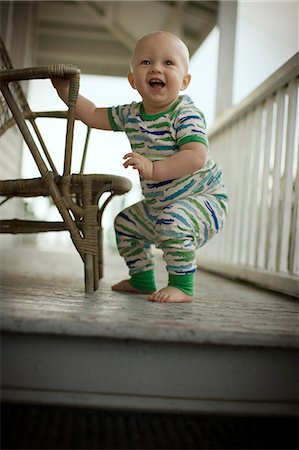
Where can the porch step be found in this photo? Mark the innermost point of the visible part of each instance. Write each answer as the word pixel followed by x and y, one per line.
pixel 233 350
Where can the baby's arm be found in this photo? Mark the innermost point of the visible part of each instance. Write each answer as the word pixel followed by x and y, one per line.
pixel 86 111
pixel 191 157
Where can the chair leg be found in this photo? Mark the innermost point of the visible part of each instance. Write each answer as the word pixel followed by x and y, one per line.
pixel 89 273
pixel 100 254
pixel 96 272
pixel 90 231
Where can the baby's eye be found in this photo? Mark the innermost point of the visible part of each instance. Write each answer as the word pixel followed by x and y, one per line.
pixel 145 62
pixel 168 62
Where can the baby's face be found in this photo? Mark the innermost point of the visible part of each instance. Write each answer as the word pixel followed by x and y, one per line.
pixel 159 70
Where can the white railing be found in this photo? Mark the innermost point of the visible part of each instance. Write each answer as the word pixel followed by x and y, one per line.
pixel 256 143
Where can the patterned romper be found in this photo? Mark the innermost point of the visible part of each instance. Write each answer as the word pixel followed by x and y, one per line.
pixel 177 215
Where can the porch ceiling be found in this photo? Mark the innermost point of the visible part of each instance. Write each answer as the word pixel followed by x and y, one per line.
pixel 98 36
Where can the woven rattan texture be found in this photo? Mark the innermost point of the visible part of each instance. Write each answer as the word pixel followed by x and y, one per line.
pixel 6 118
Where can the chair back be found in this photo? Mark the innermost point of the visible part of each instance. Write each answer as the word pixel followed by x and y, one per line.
pixel 6 118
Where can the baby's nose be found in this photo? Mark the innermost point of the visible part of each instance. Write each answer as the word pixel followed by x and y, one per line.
pixel 156 67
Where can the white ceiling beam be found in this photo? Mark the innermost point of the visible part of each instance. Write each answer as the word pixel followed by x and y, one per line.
pixel 201 12
pixel 90 35
pixel 174 19
pixel 66 55
pixel 107 20
pixel 115 28
pixel 94 15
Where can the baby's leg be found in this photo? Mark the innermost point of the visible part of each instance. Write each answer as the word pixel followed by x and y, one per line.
pixel 139 283
pixel 134 229
pixel 175 234
pixel 181 228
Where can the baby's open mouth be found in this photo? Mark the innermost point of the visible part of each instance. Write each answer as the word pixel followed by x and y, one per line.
pixel 156 83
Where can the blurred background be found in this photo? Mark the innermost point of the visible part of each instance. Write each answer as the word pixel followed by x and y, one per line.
pixel 266 35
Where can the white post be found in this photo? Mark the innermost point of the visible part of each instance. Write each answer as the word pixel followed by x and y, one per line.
pixel 227 17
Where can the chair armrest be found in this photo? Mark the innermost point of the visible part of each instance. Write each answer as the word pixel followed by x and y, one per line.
pixel 42 72
pixel 49 114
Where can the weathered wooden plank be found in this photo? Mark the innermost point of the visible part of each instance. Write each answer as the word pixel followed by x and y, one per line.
pixel 275 281
pixel 37 299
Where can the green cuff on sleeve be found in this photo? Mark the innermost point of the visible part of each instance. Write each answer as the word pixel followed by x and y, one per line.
pixel 186 139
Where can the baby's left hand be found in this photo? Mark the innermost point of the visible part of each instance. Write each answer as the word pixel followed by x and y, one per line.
pixel 144 166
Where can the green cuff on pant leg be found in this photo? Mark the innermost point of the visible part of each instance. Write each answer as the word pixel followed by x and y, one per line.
pixel 184 282
pixel 143 281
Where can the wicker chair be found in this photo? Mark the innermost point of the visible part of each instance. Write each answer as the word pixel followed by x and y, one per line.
pixel 76 196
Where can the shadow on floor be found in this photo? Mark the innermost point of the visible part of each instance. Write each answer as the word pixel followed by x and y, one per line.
pixel 54 427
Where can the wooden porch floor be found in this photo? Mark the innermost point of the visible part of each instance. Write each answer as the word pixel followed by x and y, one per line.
pixel 239 342
pixel 43 291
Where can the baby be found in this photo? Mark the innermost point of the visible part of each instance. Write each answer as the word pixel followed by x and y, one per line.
pixel 185 202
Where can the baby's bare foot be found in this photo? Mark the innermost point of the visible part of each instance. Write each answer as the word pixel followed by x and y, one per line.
pixel 125 286
pixel 170 294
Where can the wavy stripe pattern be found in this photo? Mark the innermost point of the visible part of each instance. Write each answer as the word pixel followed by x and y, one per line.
pixel 178 229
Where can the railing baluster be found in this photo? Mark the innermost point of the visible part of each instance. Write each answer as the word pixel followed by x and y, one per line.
pixel 256 199
pixel 233 192
pixel 287 181
pixel 276 177
pixel 247 148
pixel 264 188
pixel 224 144
pixel 253 206
pixel 294 243
pixel 239 169
pixel 294 240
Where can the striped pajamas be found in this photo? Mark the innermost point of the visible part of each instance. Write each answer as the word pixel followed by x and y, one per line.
pixel 178 215
pixel 179 229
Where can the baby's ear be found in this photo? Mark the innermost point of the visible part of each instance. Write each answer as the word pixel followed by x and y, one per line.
pixel 131 80
pixel 186 81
